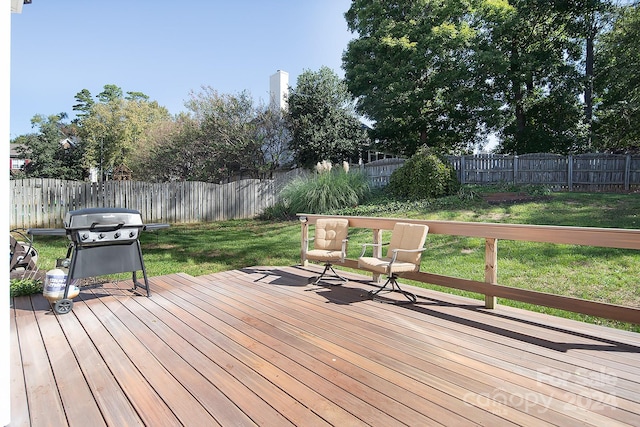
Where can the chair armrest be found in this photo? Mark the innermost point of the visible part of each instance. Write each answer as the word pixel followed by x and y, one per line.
pixel 307 241
pixel 365 245
pixel 395 253
pixel 344 249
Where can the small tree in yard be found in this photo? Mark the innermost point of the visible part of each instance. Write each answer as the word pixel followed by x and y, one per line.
pixel 425 175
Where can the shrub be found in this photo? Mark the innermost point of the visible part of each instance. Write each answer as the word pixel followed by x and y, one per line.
pixel 326 190
pixel 279 211
pixel 21 287
pixel 425 175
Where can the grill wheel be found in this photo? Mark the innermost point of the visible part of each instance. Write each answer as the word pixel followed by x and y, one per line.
pixel 63 306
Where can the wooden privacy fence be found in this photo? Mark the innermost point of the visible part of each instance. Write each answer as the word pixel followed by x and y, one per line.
pixel 41 202
pixel 588 236
pixel 596 172
pixel 584 172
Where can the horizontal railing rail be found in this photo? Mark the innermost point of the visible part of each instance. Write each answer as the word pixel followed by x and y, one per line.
pixel 490 288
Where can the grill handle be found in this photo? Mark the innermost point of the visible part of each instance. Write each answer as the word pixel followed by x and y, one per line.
pixel 106 227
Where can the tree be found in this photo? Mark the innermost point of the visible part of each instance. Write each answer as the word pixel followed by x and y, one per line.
pixel 591 17
pixel 222 137
pixel 536 76
pixel 274 139
pixel 115 129
pixel 415 74
pixel 48 156
pixel 446 74
pixel 175 152
pixel 617 84
pixel 226 135
pixel 84 103
pixel 109 93
pixel 322 119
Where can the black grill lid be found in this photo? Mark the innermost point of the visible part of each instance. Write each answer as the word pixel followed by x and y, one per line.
pixel 90 217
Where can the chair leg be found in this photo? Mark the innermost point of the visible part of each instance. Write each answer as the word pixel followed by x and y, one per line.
pixel 335 275
pixel 391 285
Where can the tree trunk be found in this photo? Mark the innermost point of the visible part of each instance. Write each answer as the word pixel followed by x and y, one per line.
pixel 588 85
pixel 518 95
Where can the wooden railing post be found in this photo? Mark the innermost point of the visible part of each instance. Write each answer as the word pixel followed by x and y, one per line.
pixel 490 269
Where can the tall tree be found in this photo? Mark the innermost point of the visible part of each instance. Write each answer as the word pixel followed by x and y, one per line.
pixel 322 119
pixel 591 18
pixel 534 75
pixel 109 93
pixel 617 84
pixel 84 103
pixel 221 137
pixel 175 152
pixel 446 74
pixel 414 73
pixel 115 129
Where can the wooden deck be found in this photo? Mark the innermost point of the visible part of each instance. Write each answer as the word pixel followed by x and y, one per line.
pixel 260 346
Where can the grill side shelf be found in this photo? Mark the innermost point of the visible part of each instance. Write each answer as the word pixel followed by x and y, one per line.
pixel 47 231
pixel 155 226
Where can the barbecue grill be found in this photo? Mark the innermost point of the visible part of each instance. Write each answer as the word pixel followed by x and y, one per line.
pixel 103 241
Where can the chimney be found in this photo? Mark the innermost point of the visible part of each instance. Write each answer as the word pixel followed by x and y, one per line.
pixel 279 89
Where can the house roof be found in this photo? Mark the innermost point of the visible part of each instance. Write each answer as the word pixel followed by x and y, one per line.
pixel 13 150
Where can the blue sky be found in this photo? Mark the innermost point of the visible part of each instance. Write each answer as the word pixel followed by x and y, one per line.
pixel 165 49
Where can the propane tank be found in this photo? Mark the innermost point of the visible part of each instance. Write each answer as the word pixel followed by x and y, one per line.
pixel 54 284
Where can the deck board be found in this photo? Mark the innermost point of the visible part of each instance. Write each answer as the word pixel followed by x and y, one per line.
pixel 77 399
pixel 107 392
pixel 42 393
pixel 18 392
pixel 260 346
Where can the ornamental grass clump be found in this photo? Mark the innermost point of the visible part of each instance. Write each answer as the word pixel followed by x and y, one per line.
pixel 327 189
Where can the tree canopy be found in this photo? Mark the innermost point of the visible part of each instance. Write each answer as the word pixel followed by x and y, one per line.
pixel 322 119
pixel 53 152
pixel 617 83
pixel 411 71
pixel 447 74
pixel 115 129
pixel 222 137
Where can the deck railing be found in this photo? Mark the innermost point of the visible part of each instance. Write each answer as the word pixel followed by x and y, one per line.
pixel 588 236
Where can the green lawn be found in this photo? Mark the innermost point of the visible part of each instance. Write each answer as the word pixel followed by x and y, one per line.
pixel 601 274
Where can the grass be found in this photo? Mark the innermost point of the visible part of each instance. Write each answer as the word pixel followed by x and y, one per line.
pixel 601 274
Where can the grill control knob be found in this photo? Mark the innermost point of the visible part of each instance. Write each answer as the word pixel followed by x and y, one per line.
pixel 84 236
pixel 132 234
pixel 116 235
pixel 101 236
